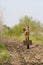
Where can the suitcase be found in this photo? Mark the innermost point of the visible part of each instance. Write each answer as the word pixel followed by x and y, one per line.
pixel 27 42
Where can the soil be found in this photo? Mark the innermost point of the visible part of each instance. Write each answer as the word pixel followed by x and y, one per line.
pixel 20 55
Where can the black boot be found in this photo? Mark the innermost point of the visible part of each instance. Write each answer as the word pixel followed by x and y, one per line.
pixel 27 46
pixel 28 38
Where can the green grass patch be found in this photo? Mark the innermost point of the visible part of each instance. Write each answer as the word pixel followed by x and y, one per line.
pixel 36 40
pixel 4 54
pixel 2 46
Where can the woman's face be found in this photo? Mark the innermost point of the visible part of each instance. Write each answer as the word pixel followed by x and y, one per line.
pixel 27 28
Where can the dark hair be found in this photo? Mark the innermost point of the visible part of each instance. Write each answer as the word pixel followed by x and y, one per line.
pixel 28 26
pixel 23 29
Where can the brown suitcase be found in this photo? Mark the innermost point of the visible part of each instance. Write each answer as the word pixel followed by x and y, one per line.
pixel 30 42
pixel 27 42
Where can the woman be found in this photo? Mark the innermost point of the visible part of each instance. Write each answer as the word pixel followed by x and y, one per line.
pixel 26 32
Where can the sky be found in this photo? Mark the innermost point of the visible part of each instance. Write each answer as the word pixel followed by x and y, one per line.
pixel 16 9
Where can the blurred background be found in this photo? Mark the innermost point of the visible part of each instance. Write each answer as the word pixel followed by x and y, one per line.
pixel 15 15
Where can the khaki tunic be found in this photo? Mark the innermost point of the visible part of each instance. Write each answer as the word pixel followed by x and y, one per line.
pixel 26 33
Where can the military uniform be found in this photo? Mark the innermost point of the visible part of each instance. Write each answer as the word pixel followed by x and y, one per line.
pixel 26 33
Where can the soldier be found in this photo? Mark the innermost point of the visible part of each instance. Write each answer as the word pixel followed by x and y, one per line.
pixel 26 32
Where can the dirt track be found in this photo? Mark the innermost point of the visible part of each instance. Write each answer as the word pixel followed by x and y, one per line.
pixel 20 55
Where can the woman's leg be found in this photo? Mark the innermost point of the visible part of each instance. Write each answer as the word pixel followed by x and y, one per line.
pixel 28 38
